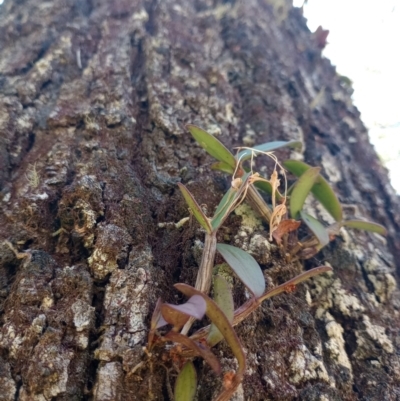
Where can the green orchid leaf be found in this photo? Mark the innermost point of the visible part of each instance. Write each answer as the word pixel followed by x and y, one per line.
pixel 195 208
pixel 245 266
pixel 301 190
pixel 186 383
pixel 231 199
pixel 212 145
pixel 266 147
pixel 317 228
pixel 197 349
pixel 365 225
pixel 215 314
pixel 223 298
pixel 322 191
pixel 224 167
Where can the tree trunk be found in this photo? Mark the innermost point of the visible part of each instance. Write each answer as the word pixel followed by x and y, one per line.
pixel 94 98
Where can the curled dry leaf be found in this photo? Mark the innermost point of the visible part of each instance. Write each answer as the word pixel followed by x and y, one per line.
pixel 276 218
pixel 284 227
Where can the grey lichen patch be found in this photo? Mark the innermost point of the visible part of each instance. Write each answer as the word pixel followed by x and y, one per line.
pixel 197 250
pixel 305 367
pixel 377 272
pixel 250 237
pixel 83 318
pixel 108 382
pixel 335 296
pixel 83 315
pixel 249 137
pixel 126 306
pixel 261 248
pixel 126 303
pixel 374 334
pixel 335 345
pixel 384 285
pixel 87 221
pixel 43 69
pixel 110 248
pixel 315 209
pixel 224 271
pixel 275 377
pixel 49 378
pixel 331 169
pixel 58 163
pixel 250 221
pixel 7 384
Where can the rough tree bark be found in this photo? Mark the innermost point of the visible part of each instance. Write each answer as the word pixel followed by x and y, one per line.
pixel 94 96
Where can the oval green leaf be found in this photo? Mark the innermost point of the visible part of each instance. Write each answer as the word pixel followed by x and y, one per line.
pixel 223 298
pixel 186 383
pixel 212 145
pixel 301 190
pixel 267 147
pixel 366 226
pixel 321 189
pixel 317 228
pixel 245 266
pixel 195 208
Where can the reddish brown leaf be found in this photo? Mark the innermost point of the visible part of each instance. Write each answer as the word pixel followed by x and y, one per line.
pixel 198 348
pixel 284 227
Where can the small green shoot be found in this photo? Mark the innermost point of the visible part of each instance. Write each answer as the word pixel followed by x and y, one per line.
pixel 195 208
pixel 186 383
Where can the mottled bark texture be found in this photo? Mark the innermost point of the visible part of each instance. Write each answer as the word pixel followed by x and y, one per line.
pixel 94 96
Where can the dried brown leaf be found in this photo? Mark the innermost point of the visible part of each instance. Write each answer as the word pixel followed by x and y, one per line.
pixel 284 227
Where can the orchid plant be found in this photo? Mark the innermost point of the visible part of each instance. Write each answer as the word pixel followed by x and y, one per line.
pixel 245 186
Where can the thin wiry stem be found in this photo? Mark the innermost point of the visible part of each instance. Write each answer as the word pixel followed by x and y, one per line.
pixel 252 304
pixel 204 275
